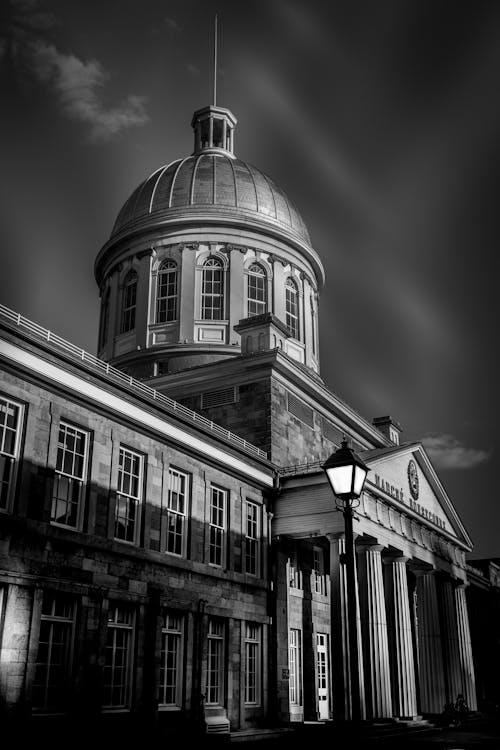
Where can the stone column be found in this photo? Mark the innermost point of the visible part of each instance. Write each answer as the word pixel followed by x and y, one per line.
pixel 340 680
pixel 430 656
pixel 451 648
pixel 465 649
pixel 404 692
pixel 374 628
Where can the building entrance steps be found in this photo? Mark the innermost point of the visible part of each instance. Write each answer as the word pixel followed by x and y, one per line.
pixel 251 735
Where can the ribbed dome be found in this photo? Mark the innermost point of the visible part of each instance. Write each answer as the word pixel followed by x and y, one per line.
pixel 210 186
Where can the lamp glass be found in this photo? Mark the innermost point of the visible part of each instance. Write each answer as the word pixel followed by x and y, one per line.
pixel 341 479
pixel 359 478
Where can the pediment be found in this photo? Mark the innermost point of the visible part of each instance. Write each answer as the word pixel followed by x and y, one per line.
pixel 405 477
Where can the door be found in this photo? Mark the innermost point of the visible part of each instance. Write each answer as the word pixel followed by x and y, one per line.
pixel 322 675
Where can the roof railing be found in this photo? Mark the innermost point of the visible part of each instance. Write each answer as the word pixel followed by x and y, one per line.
pixel 113 374
pixel 307 468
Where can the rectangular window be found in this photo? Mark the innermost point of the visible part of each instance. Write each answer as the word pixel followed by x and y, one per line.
pixel 252 663
pixel 217 526
pixel 118 656
pixel 129 495
pixel 171 660
pixel 212 290
pixel 294 573
pixel 295 667
pixel 10 438
pixel 53 661
pixel 70 476
pixel 215 663
pixel 319 582
pixel 252 539
pixel 177 508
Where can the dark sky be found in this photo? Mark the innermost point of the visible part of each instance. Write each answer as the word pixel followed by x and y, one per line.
pixel 380 120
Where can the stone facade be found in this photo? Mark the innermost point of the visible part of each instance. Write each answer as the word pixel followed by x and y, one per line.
pixel 169 545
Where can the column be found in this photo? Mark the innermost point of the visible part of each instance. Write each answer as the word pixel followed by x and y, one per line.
pixel 374 627
pixel 340 680
pixel 142 315
pixel 451 648
pixel 430 657
pixel 465 649
pixel 404 693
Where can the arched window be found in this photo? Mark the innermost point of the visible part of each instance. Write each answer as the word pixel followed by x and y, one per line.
pixel 129 297
pixel 212 290
pixel 256 290
pixel 292 308
pixel 104 327
pixel 166 300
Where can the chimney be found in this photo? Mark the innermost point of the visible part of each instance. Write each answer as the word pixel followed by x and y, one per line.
pixel 388 427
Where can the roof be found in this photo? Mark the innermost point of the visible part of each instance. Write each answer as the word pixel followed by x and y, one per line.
pixel 210 183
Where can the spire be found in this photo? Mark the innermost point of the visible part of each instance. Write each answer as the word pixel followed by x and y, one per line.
pixel 215 61
pixel 214 126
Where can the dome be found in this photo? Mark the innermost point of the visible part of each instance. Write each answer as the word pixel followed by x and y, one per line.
pixel 212 186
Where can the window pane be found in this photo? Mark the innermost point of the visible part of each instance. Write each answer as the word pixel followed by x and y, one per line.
pixel 52 668
pixel 256 290
pixel 129 294
pixel 69 477
pixel 118 653
pixel 292 308
pixel 166 304
pixel 212 290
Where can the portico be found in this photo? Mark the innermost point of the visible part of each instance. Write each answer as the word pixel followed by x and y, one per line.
pixel 413 629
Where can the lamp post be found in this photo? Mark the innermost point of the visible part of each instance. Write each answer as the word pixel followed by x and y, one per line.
pixel 346 474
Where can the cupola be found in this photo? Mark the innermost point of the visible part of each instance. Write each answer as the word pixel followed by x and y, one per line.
pixel 214 130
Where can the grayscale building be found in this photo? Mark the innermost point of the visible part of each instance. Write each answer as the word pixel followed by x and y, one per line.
pixel 169 542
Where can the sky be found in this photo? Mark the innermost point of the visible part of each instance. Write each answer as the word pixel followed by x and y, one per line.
pixel 380 120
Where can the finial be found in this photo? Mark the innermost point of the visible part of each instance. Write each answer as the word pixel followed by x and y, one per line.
pixel 215 61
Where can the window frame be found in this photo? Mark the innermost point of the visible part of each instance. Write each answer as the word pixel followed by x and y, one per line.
pixel 138 499
pixel 12 459
pixel 128 306
pixel 207 311
pixel 53 620
pixel 295 666
pixel 292 314
pixel 216 531
pixel 217 641
pixel 252 538
pixel 82 481
pixel 173 513
pixel 167 268
pixel 253 654
pixel 115 626
pixel 318 570
pixel 178 637
pixel 294 572
pixel 251 299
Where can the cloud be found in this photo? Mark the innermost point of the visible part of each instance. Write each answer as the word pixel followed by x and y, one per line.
pixel 447 452
pixel 172 23
pixel 78 86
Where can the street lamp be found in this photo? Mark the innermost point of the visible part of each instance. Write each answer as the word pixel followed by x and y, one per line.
pixel 346 473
